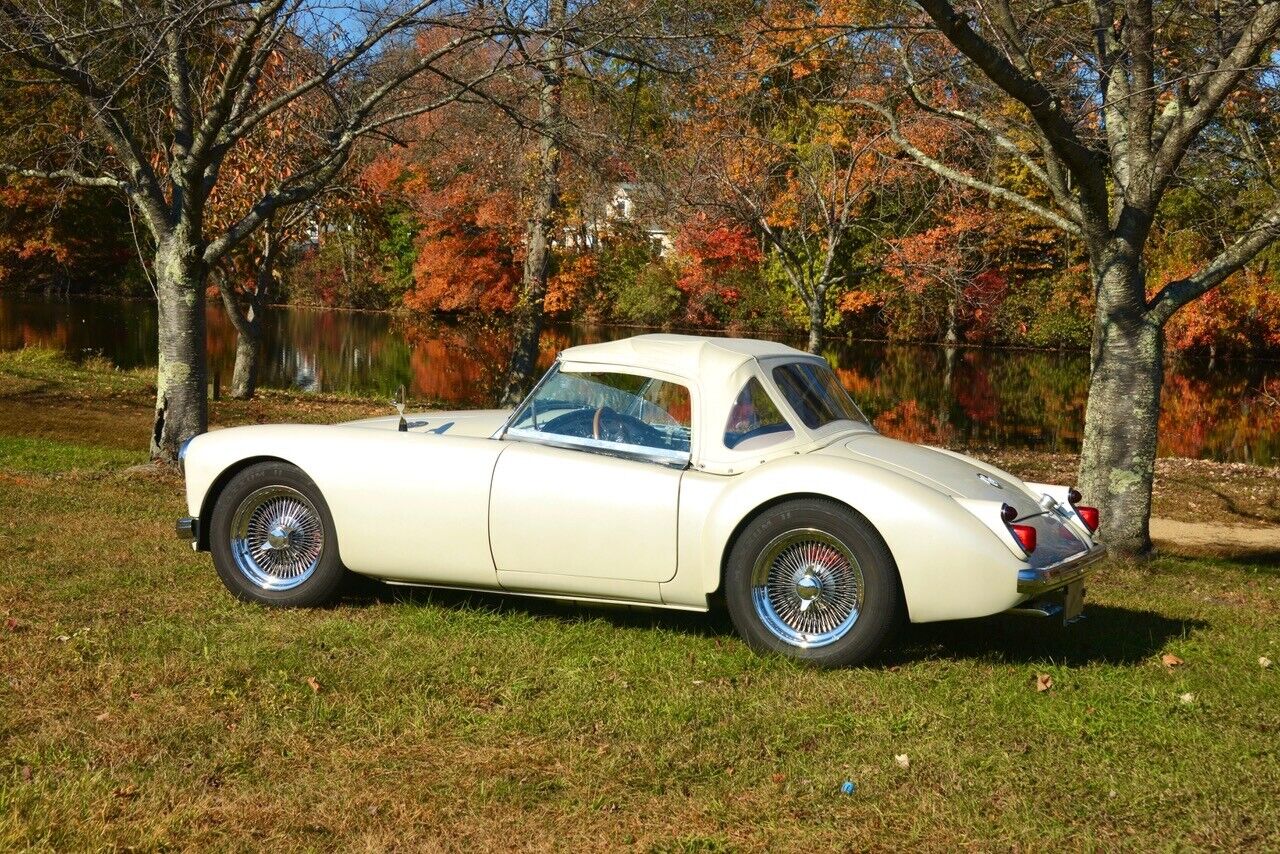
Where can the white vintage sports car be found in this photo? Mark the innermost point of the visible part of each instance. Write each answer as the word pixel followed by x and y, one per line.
pixel 661 470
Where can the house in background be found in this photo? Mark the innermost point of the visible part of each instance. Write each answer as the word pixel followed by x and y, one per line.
pixel 622 206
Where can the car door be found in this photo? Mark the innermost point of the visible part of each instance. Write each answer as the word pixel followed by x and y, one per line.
pixel 570 511
pixel 412 506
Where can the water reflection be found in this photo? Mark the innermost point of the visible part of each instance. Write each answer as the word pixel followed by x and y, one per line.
pixel 929 394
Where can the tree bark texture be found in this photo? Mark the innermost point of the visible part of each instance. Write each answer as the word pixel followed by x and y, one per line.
pixel 1117 460
pixel 817 317
pixel 182 407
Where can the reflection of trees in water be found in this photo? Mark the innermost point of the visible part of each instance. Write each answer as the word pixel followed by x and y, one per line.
pixel 1229 418
pixel 463 363
pixel 976 398
pixel 968 397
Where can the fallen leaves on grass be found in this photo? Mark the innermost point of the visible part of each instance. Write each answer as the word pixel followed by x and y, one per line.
pixel 903 760
pixel 314 684
pixel 1043 682
pixel 1170 660
pixel 1264 662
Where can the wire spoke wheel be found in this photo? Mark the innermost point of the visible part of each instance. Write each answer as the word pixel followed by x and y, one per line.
pixel 277 538
pixel 807 588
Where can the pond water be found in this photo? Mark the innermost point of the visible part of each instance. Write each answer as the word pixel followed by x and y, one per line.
pixel 964 397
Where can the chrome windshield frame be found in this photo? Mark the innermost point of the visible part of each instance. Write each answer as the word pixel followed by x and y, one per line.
pixel 660 456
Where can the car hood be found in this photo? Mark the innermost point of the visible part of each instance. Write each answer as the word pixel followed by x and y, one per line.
pixel 946 471
pixel 476 423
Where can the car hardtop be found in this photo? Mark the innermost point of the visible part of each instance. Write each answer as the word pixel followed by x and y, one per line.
pixel 716 370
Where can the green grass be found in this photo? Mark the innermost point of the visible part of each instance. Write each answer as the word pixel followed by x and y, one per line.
pixel 142 707
pixel 23 454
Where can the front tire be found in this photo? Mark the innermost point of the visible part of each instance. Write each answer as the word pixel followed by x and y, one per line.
pixel 273 539
pixel 812 580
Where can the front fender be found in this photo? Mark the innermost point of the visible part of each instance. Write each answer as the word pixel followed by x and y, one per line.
pixel 951 565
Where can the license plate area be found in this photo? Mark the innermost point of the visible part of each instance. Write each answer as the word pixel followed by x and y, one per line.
pixel 1073 602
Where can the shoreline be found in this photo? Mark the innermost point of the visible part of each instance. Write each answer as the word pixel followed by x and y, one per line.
pixel 776 334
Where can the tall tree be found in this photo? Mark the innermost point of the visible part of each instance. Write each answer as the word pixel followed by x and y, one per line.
pixel 603 48
pixel 167 89
pixel 1103 107
pixel 550 66
pixel 772 143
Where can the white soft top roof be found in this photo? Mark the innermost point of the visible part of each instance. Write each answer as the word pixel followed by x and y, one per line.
pixel 718 368
pixel 692 356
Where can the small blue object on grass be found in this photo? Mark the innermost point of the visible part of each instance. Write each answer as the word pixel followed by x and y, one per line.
pixel 848 787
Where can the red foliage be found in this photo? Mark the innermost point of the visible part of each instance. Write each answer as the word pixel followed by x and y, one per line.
pixel 1239 316
pixel 469 247
pixel 714 254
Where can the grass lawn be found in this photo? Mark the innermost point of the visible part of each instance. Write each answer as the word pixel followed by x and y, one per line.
pixel 142 707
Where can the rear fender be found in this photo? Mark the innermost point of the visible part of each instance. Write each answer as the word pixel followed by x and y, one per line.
pixel 950 564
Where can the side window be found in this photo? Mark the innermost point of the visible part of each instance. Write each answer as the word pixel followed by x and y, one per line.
pixel 754 419
pixel 608 411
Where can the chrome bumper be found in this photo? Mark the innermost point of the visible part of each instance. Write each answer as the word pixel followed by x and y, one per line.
pixel 188 529
pixel 1033 582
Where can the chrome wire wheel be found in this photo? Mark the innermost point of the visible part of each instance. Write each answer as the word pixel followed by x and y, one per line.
pixel 807 588
pixel 277 538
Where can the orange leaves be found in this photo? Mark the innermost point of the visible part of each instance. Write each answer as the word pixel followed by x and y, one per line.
pixel 574 277
pixel 855 302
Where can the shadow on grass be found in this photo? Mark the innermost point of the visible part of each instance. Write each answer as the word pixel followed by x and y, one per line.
pixel 1107 635
pixel 716 623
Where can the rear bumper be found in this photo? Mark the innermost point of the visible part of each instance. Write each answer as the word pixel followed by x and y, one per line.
pixel 1034 582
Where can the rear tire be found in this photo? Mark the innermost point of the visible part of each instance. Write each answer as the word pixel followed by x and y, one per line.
pixel 812 580
pixel 273 539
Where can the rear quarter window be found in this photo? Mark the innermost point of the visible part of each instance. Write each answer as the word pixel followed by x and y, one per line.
pixel 814 392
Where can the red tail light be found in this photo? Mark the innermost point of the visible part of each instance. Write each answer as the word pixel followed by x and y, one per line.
pixel 1026 536
pixel 1089 515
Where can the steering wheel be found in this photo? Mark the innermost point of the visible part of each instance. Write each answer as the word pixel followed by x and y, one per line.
pixel 605 424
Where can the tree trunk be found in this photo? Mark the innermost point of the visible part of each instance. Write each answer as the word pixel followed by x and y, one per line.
pixel 1117 462
pixel 533 284
pixel 952 335
pixel 817 319
pixel 248 321
pixel 182 409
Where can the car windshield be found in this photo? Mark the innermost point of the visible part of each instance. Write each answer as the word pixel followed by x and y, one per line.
pixel 815 394
pixel 607 411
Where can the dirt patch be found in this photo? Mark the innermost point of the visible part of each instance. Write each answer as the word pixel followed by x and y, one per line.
pixel 1206 539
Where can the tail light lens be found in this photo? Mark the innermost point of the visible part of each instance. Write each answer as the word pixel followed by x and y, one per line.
pixel 1026 536
pixel 1088 515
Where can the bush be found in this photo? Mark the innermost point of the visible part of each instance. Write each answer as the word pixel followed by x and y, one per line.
pixel 652 298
